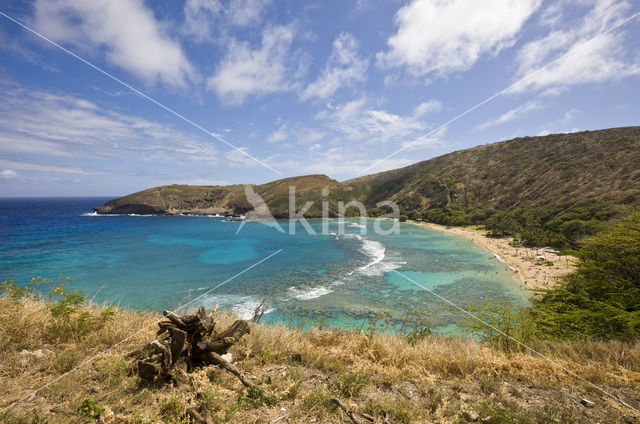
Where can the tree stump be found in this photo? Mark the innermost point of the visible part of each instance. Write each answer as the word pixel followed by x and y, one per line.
pixel 190 341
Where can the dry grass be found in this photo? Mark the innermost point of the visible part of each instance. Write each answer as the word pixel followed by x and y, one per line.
pixel 437 380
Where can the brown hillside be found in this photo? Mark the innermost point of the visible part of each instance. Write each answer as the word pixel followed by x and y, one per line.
pixel 206 200
pixel 552 189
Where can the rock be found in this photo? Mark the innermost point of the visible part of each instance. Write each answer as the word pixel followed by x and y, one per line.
pixel 38 353
pixel 587 403
pixel 106 415
pixel 227 357
pixel 238 352
pixel 469 413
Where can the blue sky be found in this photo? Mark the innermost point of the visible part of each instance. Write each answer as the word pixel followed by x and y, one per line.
pixel 327 87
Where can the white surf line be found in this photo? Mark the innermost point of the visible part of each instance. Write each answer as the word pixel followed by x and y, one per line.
pixel 499 93
pixel 514 340
pixel 168 109
pixel 135 334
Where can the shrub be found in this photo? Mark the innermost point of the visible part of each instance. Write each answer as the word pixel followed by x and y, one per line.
pixel 90 408
pixel 256 398
pixel 416 325
pixel 400 409
pixel 500 323
pixel 69 319
pixel 601 299
pixel 416 215
pixel 350 384
pixel 172 409
pixel 316 401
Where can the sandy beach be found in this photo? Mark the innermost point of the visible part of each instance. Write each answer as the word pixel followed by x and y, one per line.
pixel 527 264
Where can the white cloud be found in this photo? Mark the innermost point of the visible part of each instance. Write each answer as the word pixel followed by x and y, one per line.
pixel 359 121
pixel 511 114
pixel 566 131
pixel 603 59
pixel 200 17
pixel 307 136
pixel 551 15
pixel 559 125
pixel 202 181
pixel 8 174
pixel 348 131
pixel 297 134
pixel 246 12
pixel 42 123
pixel 203 19
pixel 246 71
pixel 37 167
pixel 431 140
pixel 38 175
pixel 240 158
pixel 440 37
pixel 569 115
pixel 362 5
pixel 343 69
pixel 339 162
pixel 126 31
pixel 281 134
pixel 16 47
pixel 427 107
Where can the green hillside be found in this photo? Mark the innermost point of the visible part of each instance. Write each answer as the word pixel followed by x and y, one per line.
pixel 548 190
pixel 553 189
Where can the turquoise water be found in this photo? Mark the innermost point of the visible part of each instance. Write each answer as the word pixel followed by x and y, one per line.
pixel 161 262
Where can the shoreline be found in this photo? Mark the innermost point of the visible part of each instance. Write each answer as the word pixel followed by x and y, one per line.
pixel 528 267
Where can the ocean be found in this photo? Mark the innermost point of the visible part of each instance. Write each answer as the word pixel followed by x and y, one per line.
pixel 162 262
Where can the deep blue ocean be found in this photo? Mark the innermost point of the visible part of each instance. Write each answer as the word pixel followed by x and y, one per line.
pixel 147 262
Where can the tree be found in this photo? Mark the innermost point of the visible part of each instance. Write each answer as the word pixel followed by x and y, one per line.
pixel 416 215
pixel 601 299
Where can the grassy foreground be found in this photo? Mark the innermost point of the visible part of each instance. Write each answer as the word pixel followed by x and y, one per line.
pixel 436 380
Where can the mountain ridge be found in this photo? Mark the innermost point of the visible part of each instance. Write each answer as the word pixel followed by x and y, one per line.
pixel 552 189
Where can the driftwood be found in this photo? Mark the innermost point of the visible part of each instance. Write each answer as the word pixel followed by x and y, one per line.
pixel 352 415
pixel 187 342
pixel 200 415
pixel 259 311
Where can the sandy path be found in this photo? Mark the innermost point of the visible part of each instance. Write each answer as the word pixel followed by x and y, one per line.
pixel 528 270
